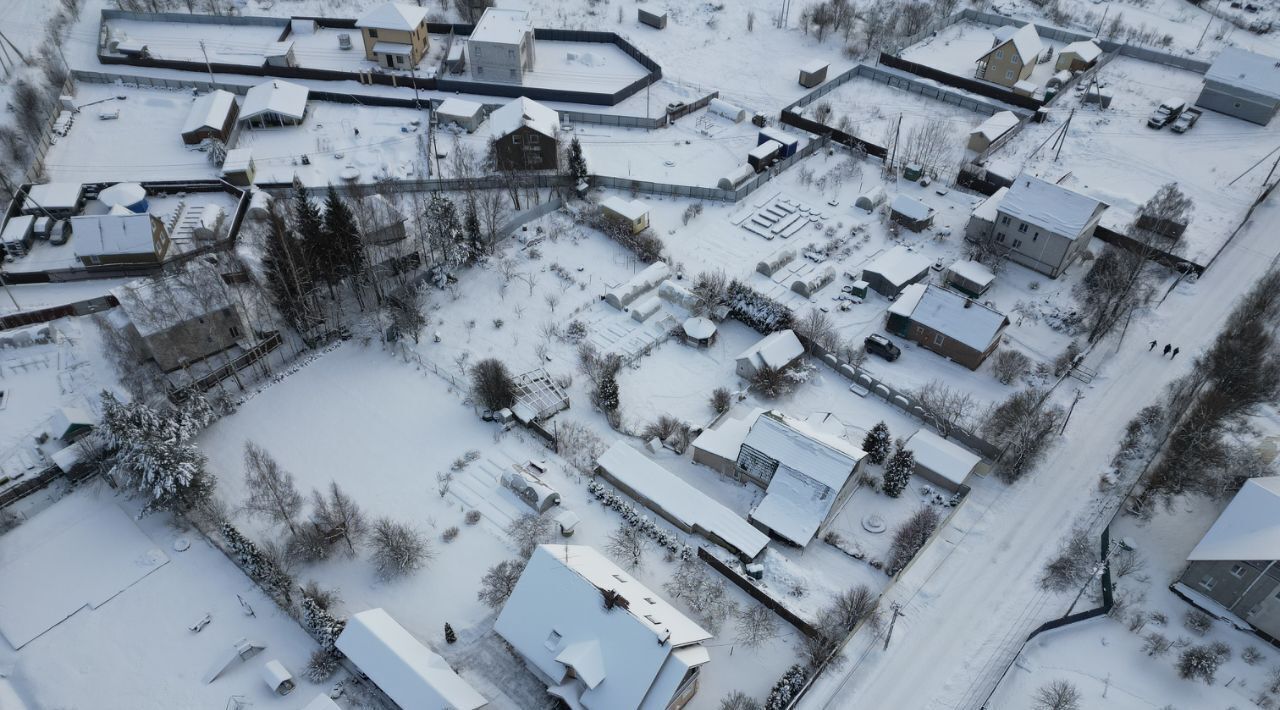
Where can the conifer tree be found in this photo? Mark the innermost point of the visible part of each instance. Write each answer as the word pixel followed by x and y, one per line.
pixel 342 237
pixel 449 636
pixel 877 443
pixel 577 162
pixel 897 473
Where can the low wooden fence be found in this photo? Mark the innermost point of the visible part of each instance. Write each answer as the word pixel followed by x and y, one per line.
pixel 758 594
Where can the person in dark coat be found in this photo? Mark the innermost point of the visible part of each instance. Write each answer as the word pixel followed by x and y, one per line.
pixel 1175 353
pixel 1167 348
pixel 1152 346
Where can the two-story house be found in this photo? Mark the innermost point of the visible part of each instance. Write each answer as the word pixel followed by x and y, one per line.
pixel 1012 57
pixel 500 48
pixel 1044 226
pixel 524 136
pixel 395 35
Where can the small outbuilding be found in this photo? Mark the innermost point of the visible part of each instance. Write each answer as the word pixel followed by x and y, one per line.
pixel 212 115
pixel 720 107
pixel 69 424
pixel 280 54
pixel 656 20
pixel 790 144
pixel 776 350
pixel 991 130
pixel 1078 56
pixel 911 213
pixel 59 199
pixel 970 277
pixel 1242 84
pixel 238 167
pixel 274 103
pixel 131 196
pixel 698 331
pixel 813 73
pixel 763 155
pixel 941 462
pixel 633 213
pixel 17 235
pixel 411 674
pixel 894 270
pixel 119 240
pixel 948 323
pixel 467 114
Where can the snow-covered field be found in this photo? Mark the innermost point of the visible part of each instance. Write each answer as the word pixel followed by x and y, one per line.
pixel 873 109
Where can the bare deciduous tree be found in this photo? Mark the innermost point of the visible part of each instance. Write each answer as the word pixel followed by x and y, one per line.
pixel 491 384
pixel 271 492
pixel 1057 695
pixel 628 544
pixel 950 407
pixel 398 549
pixel 498 583
pixel 529 531
pixel 338 517
pixel 756 625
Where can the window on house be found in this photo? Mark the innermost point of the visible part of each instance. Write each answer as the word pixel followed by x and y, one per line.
pixel 553 640
pixel 1237 571
pixel 235 331
pixel 1017 243
pixel 939 338
pixel 373 33
pixel 1004 219
pixel 516 139
pixel 1000 237
pixel 479 70
pixel 512 72
pixel 1208 582
pixel 1022 227
pixel 1008 74
pixel 511 54
pixel 999 54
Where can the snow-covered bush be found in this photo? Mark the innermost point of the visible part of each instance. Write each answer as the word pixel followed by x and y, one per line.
pixel 322 665
pixel 784 691
pixel 260 569
pixel 1010 365
pixel 323 625
pixel 704 595
pixel 757 311
pixel 398 549
pixel 910 538
pixel 721 400
pixel 529 531
pixel 1199 662
pixel 491 384
pixel 877 443
pixel 1197 622
pixel 633 517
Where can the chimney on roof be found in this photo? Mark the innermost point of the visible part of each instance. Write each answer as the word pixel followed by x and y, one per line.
pixel 968 302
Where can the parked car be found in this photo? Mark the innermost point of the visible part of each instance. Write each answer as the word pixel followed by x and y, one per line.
pixel 675 106
pixel 877 344
pixel 1183 123
pixel 1166 112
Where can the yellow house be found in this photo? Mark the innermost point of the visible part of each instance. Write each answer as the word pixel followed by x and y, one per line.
pixel 395 35
pixel 1012 57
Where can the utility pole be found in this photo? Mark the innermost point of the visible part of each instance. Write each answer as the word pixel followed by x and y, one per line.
pixel 16 51
pixel 1207 24
pixel 1063 138
pixel 897 130
pixel 1079 396
pixel 207 65
pixel 897 611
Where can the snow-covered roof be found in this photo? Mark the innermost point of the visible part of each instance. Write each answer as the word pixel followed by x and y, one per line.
pixel 726 440
pixel 1250 71
pixel 950 313
pixel 972 272
pixel 765 149
pixel 64 418
pixel 54 196
pixel 17 228
pixel 1249 527
pixel 815 66
pixel 238 160
pixel 997 125
pixel 911 208
pixel 1085 49
pixel 393 48
pixel 628 209
pixel 556 619
pixel 275 96
pixel 278 49
pixel 777 134
pixel 1049 206
pixel 699 328
pixel 458 108
pixel 321 702
pixel 155 305
pixel 122 193
pixel 104 234
pixel 1025 42
pixel 209 111
pixel 524 112
pixel 411 674
pixel 943 457
pixel 986 210
pixel 678 499
pixel 501 26
pixel 393 16
pixel 777 350
pixel 898 265
pixel 794 506
pixel 799 446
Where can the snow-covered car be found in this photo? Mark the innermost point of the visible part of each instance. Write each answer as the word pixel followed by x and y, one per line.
pixel 1166 112
pixel 1183 123
pixel 877 344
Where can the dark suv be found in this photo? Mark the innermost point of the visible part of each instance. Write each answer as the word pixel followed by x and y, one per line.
pixel 877 344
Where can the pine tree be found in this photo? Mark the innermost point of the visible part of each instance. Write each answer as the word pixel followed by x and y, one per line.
pixel 476 247
pixel 323 625
pixel 577 162
pixel 152 453
pixel 607 394
pixel 897 473
pixel 443 230
pixel 877 443
pixel 342 236
pixel 287 276
pixel 309 228
pixel 449 636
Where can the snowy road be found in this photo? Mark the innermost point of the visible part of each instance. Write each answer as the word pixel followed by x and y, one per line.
pixel 972 597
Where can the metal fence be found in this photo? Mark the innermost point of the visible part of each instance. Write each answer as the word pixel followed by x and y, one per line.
pixel 975 86
pixel 40 146
pixel 758 594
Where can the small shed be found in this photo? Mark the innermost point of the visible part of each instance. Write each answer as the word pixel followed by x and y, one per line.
pixel 648 279
pixel 941 462
pixel 69 424
pixel 991 130
pixel 633 213
pixel 657 20
pixel 970 278
pixel 776 350
pixel 17 235
pixel 1242 84
pixel 790 144
pixel 467 114
pixel 871 199
pixel 1078 56
pixel 529 487
pixel 274 103
pixel 698 331
pixel 730 111
pixel 813 73
pixel 238 167
pixel 277 677
pixel 763 155
pixel 894 270
pixel 1026 87
pixel 280 54
pixel 911 213
pixel 739 175
pixel 212 115
pixel 60 199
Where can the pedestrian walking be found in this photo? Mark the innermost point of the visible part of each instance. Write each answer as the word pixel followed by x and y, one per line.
pixel 1175 353
pixel 1152 346
pixel 1167 348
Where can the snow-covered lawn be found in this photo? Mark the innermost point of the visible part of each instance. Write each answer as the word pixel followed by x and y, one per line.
pixel 131 647
pixel 872 110
pixel 1105 659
